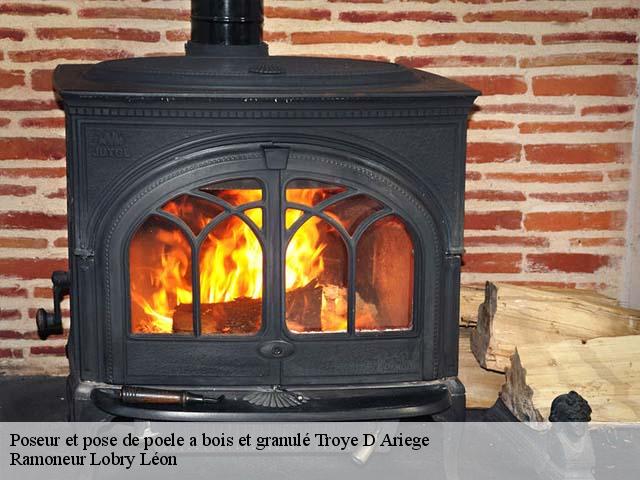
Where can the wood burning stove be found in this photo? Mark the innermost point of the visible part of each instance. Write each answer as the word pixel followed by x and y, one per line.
pixel 282 231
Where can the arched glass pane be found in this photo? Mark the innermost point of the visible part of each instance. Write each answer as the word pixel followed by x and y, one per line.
pixel 291 216
pixel 255 215
pixel 236 192
pixel 316 279
pixel 160 277
pixel 195 212
pixel 309 192
pixel 384 277
pixel 352 211
pixel 231 280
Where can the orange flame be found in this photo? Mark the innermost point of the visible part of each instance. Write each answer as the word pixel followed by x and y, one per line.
pixel 230 263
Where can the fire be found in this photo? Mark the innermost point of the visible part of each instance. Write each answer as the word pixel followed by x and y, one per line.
pixel 231 258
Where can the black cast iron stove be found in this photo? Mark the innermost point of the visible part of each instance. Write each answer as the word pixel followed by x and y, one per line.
pixel 274 237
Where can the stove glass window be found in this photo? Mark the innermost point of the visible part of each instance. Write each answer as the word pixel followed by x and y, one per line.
pixel 217 228
pixel 349 262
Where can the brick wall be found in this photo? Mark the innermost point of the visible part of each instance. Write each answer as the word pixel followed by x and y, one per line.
pixel 549 151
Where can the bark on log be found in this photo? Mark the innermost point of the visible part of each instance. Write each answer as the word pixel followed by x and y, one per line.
pixel 512 316
pixel 243 315
pixel 603 370
pixel 482 386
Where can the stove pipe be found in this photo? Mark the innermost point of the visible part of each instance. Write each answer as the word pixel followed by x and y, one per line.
pixel 226 28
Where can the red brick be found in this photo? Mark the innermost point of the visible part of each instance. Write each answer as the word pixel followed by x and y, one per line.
pixel 495 84
pixel 565 177
pixel 42 80
pixel 4 122
pixel 13 292
pixel 113 33
pixel 605 85
pixel 491 262
pixel 11 334
pixel 606 109
pixel 489 125
pixel 474 38
pixel 46 55
pixel 532 108
pixel 390 16
pixel 488 152
pixel 11 78
pixel 495 195
pixel 31 268
pixel 590 37
pixel 275 36
pixel 8 190
pixel 306 38
pixel 28 105
pixel 560 16
pixel 48 350
pixel 23 242
pixel 473 175
pixel 507 220
pixel 583 197
pixel 593 58
pixel 145 13
pixel 32 221
pixel 33 172
pixel 60 193
pixel 506 241
pixel 619 175
pixel 11 353
pixel 619 13
pixel 42 122
pixel 42 292
pixel 32 148
pixel 61 242
pixel 597 242
pixel 566 262
pixel 456 61
pixel 178 35
pixel 566 221
pixel 560 154
pixel 32 9
pixel 552 127
pixel 12 314
pixel 298 13
pixel 12 34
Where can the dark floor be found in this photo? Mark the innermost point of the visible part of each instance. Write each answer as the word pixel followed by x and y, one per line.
pixel 36 399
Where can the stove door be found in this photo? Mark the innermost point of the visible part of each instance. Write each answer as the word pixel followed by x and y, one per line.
pixel 348 270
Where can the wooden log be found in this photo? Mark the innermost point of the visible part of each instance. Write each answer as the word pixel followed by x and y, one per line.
pixel 512 316
pixel 243 316
pixel 470 300
pixel 605 371
pixel 482 386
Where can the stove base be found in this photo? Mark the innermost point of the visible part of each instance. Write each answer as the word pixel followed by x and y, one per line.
pixel 443 399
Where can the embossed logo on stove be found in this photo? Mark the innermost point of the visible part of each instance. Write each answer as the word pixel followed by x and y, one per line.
pixel 109 144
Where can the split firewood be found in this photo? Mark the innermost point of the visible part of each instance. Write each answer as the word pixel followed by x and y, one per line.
pixel 512 316
pixel 482 386
pixel 470 300
pixel 605 371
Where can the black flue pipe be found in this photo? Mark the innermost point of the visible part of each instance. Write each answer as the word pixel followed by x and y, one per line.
pixel 226 23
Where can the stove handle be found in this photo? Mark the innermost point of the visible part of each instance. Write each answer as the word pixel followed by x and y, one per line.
pixel 51 323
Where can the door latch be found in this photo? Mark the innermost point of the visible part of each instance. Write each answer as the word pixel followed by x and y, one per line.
pixel 51 323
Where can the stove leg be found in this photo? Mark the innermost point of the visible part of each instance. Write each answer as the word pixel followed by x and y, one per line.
pixel 80 406
pixel 457 411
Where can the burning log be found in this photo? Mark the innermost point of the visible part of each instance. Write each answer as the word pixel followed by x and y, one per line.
pixel 243 316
